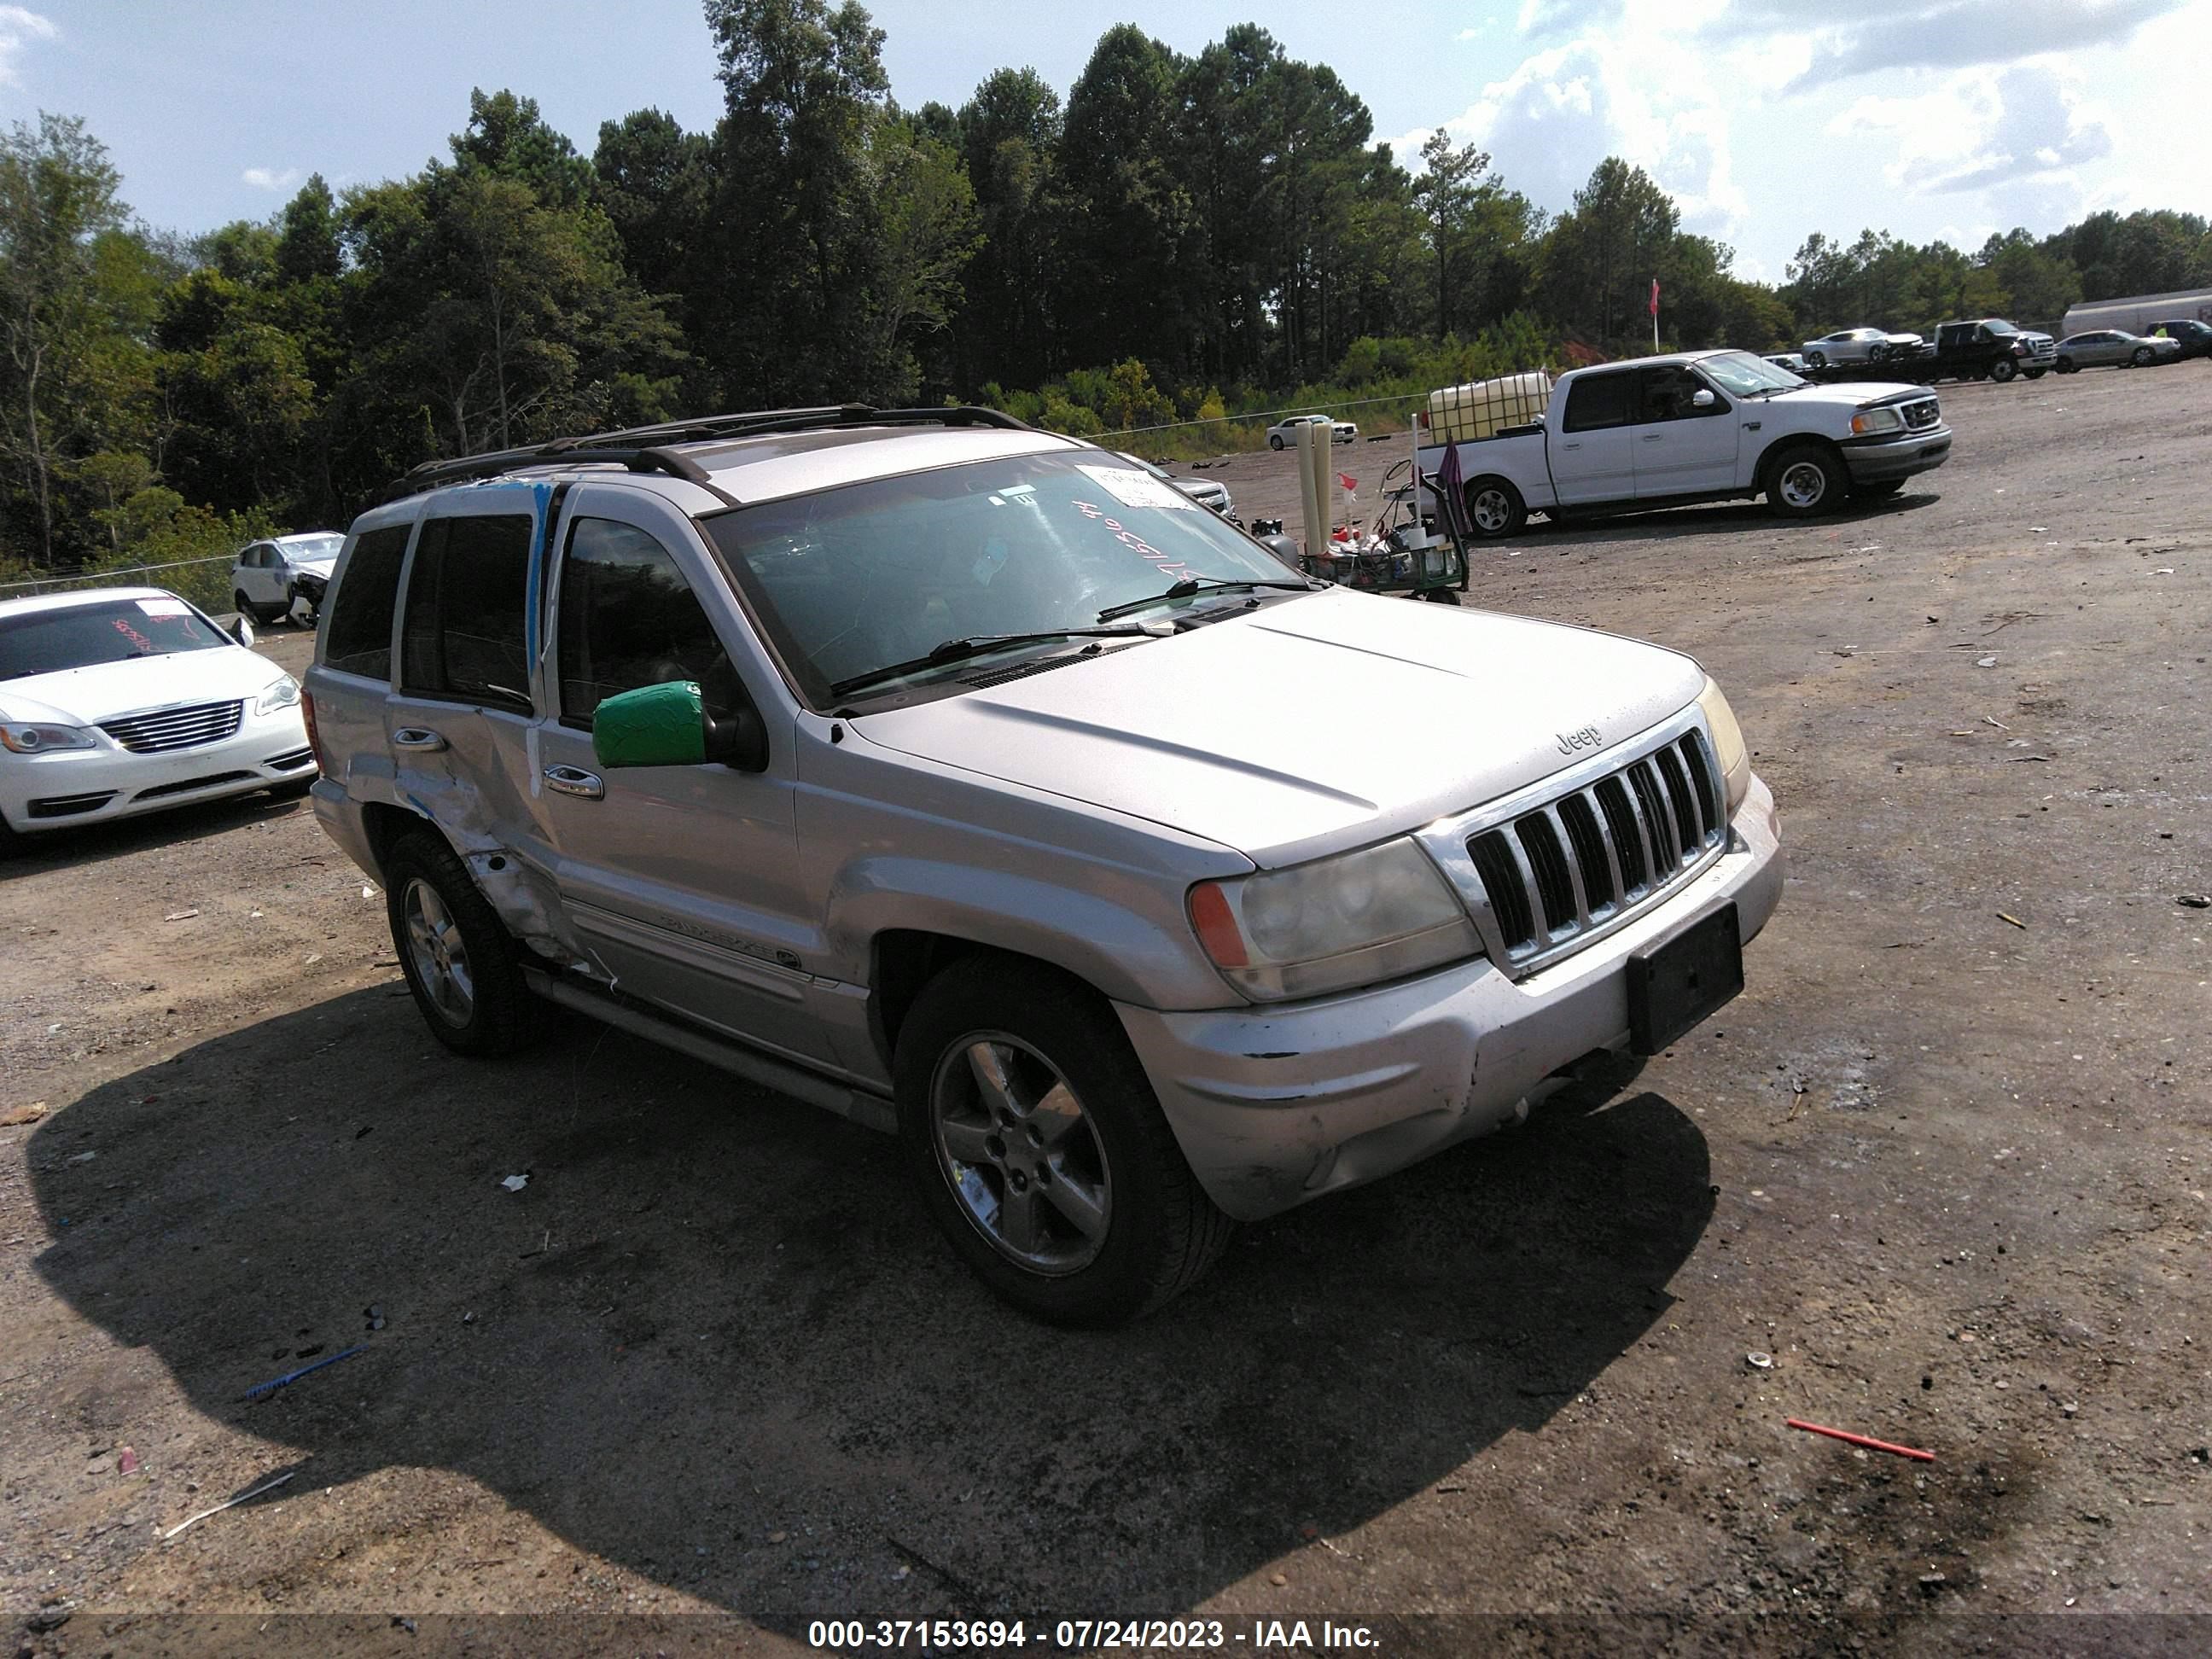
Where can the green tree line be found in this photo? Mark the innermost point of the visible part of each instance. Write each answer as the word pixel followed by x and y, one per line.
pixel 1183 237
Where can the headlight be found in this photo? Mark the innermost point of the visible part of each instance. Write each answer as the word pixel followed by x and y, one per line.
pixel 1870 421
pixel 1353 919
pixel 25 739
pixel 1728 744
pixel 283 694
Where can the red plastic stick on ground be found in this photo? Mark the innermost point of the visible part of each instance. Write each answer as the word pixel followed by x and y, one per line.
pixel 1868 1441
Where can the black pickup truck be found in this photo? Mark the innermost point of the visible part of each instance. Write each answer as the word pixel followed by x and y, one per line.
pixel 1979 348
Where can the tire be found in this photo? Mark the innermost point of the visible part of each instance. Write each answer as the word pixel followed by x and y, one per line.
pixel 1439 595
pixel 2004 369
pixel 1816 360
pixel 1804 480
pixel 2066 365
pixel 487 1009
pixel 992 1030
pixel 1275 443
pixel 2033 374
pixel 1880 490
pixel 2143 357
pixel 246 608
pixel 1495 509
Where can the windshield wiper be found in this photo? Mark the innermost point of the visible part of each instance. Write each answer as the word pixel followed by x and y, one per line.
pixel 974 645
pixel 1193 585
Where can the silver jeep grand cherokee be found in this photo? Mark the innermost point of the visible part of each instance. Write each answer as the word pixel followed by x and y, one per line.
pixel 970 781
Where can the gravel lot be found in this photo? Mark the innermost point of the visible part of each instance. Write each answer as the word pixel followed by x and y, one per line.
pixel 1946 1161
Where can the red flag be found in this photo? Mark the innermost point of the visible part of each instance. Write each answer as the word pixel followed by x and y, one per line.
pixel 1654 296
pixel 1351 485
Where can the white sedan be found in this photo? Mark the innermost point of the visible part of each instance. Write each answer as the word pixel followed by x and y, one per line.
pixel 1285 433
pixel 119 701
pixel 283 574
pixel 1859 345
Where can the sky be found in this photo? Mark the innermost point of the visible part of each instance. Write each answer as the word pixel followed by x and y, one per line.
pixel 1766 119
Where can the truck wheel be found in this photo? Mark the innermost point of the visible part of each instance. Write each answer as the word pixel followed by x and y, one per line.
pixel 1274 442
pixel 462 965
pixel 2003 370
pixel 2143 355
pixel 1495 508
pixel 1803 480
pixel 1041 1150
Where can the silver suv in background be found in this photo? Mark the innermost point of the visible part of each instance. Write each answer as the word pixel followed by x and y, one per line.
pixel 966 780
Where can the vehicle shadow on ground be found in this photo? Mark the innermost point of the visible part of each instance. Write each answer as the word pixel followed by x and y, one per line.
pixel 46 850
pixel 1724 516
pixel 713 1313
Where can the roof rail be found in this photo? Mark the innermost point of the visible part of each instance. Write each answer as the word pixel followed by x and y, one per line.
pixel 642 449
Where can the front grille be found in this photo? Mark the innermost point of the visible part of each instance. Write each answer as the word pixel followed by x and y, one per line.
pixel 68 806
pixel 1919 417
pixel 175 728
pixel 1579 862
pixel 190 784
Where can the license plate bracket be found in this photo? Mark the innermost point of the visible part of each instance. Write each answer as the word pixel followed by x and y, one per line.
pixel 1678 983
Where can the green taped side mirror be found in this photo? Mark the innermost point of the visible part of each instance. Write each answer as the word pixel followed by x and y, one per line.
pixel 668 725
pixel 661 725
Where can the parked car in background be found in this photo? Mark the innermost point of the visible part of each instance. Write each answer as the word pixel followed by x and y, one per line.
pixel 1792 361
pixel 2113 347
pixel 2195 338
pixel 119 701
pixel 267 577
pixel 972 784
pixel 1858 345
pixel 1205 491
pixel 1286 431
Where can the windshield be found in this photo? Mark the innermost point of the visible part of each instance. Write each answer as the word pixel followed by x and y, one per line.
pixel 1998 325
pixel 1741 372
pixel 849 581
pixel 112 630
pixel 300 550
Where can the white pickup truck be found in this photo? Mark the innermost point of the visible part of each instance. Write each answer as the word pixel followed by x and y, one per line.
pixel 1696 425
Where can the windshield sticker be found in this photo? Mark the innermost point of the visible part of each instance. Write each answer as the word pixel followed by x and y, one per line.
pixel 1130 539
pixel 1133 489
pixel 164 607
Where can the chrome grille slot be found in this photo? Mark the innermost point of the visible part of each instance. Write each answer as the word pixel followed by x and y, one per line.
pixel 1556 872
pixel 1921 416
pixel 165 729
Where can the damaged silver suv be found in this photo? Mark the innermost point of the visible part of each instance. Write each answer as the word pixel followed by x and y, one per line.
pixel 969 781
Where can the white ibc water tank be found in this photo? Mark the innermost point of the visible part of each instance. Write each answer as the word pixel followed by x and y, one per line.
pixel 1459 413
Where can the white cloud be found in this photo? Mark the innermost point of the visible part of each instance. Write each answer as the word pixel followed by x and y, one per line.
pixel 1466 34
pixel 1975 133
pixel 275 178
pixel 1883 35
pixel 18 29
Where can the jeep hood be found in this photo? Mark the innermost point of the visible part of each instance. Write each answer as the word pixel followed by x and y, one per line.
pixel 1309 724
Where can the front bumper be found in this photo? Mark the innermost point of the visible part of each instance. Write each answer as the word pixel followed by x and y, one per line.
pixel 72 786
pixel 1273 1106
pixel 1899 457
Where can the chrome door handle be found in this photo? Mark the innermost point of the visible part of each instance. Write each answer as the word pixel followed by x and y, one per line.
pixel 416 737
pixel 574 781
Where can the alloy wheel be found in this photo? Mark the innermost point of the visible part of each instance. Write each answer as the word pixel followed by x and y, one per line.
pixel 1024 1160
pixel 1803 483
pixel 438 954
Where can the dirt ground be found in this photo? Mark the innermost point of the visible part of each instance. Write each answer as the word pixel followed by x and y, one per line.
pixel 710 1374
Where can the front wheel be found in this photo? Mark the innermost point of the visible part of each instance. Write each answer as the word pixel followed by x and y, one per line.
pixel 2142 357
pixel 1041 1150
pixel 1816 360
pixel 1495 508
pixel 463 968
pixel 1803 480
pixel 1274 442
pixel 2003 370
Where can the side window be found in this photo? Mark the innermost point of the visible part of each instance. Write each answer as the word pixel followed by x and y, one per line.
pixel 1665 394
pixel 1599 400
pixel 357 631
pixel 466 600
pixel 628 618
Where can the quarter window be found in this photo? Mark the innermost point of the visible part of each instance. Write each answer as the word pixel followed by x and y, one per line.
pixel 466 599
pixel 628 618
pixel 357 636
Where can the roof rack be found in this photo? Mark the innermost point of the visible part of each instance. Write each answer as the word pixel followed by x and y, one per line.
pixel 643 448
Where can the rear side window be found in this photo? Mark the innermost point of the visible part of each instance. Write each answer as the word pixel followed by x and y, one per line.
pixel 466 600
pixel 1599 400
pixel 627 619
pixel 357 633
